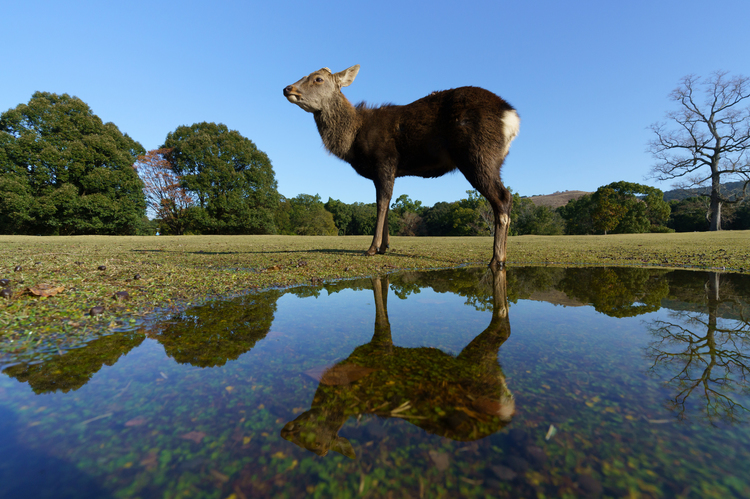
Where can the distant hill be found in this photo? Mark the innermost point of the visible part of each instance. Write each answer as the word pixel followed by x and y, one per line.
pixel 728 190
pixel 556 199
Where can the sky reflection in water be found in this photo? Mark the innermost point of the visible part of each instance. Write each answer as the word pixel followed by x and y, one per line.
pixel 536 381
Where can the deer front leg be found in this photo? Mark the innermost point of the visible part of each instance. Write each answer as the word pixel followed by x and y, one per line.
pixel 502 224
pixel 385 242
pixel 380 241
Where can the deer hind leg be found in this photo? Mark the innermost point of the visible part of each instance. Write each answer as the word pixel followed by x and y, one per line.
pixel 486 179
pixel 501 208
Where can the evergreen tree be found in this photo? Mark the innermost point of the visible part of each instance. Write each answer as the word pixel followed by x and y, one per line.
pixel 63 171
pixel 231 180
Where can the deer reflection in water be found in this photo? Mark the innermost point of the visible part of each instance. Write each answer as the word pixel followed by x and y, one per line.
pixel 461 398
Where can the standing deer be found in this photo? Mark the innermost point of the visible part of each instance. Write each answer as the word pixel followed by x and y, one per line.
pixel 467 128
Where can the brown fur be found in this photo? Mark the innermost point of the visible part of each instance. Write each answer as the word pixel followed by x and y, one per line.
pixel 467 128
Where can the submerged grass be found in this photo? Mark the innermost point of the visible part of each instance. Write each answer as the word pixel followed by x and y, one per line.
pixel 162 274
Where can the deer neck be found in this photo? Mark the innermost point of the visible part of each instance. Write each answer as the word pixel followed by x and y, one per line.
pixel 338 125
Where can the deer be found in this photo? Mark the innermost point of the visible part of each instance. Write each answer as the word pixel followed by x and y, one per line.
pixel 388 381
pixel 469 129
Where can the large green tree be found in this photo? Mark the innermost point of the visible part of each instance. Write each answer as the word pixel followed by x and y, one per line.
pixel 63 171
pixel 307 216
pixel 619 208
pixel 231 180
pixel 528 218
pixel 342 214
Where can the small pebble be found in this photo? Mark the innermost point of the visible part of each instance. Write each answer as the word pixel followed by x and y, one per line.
pixel 96 310
pixel 18 268
pixel 137 276
pixel 503 472
pixel 101 267
pixel 536 455
pixel 590 485
pixel 6 293
pixel 517 464
pixel 4 282
pixel 121 296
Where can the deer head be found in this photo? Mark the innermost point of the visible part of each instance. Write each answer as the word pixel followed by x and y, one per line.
pixel 313 92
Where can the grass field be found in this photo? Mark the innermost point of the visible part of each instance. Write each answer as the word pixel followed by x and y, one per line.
pixel 166 273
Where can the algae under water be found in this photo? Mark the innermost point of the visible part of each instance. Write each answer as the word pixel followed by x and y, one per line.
pixel 528 382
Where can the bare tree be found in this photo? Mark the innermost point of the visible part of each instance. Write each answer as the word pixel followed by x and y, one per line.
pixel 165 197
pixel 706 141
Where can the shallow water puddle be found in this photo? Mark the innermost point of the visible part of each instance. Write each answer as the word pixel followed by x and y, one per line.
pixel 531 382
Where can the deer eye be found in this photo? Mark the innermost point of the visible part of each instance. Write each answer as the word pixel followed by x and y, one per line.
pixel 319 79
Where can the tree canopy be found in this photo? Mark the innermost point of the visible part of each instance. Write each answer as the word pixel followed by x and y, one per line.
pixel 231 180
pixel 63 171
pixel 619 208
pixel 305 215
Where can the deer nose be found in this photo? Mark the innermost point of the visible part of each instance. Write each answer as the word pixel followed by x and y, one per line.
pixel 288 90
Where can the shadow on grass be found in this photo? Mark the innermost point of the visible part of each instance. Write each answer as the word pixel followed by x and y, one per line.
pixel 319 251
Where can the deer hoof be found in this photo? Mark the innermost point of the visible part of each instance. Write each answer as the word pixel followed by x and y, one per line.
pixel 371 252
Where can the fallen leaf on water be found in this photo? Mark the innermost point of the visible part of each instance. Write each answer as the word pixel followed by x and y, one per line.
pixel 46 290
pixel 136 421
pixel 219 476
pixel 195 436
pixel 341 374
pixel 150 460
pixel 551 432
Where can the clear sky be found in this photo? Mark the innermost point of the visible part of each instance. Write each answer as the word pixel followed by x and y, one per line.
pixel 587 77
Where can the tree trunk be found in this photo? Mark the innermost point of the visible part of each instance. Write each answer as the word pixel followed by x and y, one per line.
pixel 715 222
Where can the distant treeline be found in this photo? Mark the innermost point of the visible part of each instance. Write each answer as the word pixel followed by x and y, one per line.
pixel 65 172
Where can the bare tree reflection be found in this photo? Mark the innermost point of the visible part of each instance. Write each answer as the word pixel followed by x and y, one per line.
pixel 707 357
pixel 462 398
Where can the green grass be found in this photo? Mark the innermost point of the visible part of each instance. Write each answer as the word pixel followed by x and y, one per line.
pixel 178 271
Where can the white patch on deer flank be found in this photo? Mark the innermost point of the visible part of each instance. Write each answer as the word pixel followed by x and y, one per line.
pixel 511 126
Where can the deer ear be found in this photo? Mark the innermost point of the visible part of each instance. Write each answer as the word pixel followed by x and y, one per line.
pixel 346 77
pixel 343 447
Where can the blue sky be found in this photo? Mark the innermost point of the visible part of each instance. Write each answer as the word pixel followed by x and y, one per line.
pixel 586 77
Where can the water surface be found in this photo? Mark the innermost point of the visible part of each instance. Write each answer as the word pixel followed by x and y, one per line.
pixel 526 383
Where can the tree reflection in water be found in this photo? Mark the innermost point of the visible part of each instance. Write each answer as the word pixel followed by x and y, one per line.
pixel 705 355
pixel 461 398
